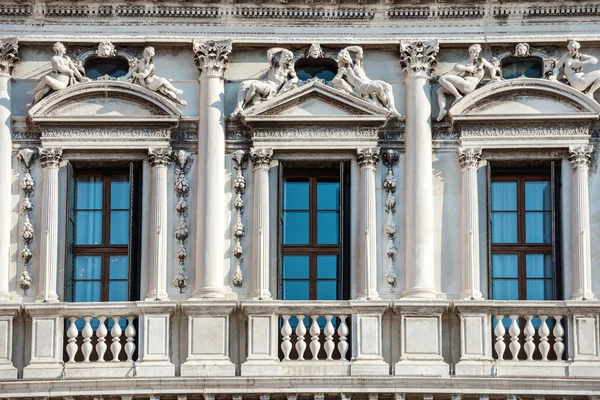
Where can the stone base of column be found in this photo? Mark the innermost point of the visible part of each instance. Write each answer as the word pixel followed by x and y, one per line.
pixel 364 295
pixel 208 368
pixel 151 296
pixel 474 368
pixel 365 367
pixel 207 293
pixel 260 295
pixel 468 295
pixel 584 369
pixel 419 293
pixel 422 368
pixel 7 371
pixel 158 369
pixel 50 298
pixel 43 370
pixel 578 295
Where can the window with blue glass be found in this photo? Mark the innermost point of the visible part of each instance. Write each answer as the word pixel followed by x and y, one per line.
pixel 523 236
pixel 528 67
pixel 312 235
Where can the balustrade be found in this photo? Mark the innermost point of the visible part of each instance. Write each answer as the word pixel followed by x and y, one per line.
pixel 324 337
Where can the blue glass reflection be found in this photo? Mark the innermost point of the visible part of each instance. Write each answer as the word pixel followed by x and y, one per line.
pixel 328 227
pixel 119 227
pixel 295 227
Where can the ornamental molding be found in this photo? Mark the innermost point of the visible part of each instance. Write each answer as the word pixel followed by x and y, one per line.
pixel 521 130
pixel 50 157
pixel 159 156
pixel 183 163
pixel 261 157
pixel 26 231
pixel 580 156
pixel 469 157
pixel 390 159
pixel 239 158
pixel 368 157
pixel 314 133
pixel 9 57
pixel 106 49
pixel 139 134
pixel 211 56
pixel 418 58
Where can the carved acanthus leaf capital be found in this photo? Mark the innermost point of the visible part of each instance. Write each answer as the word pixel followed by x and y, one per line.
pixel 159 156
pixel 469 157
pixel 580 156
pixel 368 157
pixel 9 49
pixel 261 158
pixel 212 56
pixel 418 58
pixel 50 157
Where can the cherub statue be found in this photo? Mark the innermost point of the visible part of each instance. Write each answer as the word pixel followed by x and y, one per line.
pixel 281 78
pixel 64 73
pixel 572 64
pixel 141 72
pixel 351 78
pixel 468 77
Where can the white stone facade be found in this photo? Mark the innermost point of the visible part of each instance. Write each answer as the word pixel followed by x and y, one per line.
pixel 210 124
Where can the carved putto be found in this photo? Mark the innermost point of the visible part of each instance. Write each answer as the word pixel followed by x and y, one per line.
pixel 141 72
pixel 572 64
pixel 468 77
pixel 64 73
pixel 522 50
pixel 280 79
pixel 351 78
pixel 106 49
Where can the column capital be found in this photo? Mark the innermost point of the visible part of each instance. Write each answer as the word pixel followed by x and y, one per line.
pixel 469 157
pixel 50 157
pixel 212 56
pixel 159 156
pixel 368 157
pixel 8 55
pixel 418 57
pixel 580 156
pixel 261 158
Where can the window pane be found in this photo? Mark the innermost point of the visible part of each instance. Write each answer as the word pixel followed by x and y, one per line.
pixel 326 290
pixel 539 289
pixel 505 266
pixel 328 227
pixel 504 196
pixel 538 196
pixel 528 68
pixel 88 227
pixel 117 291
pixel 295 267
pixel 88 193
pixel 295 195
pixel 295 290
pixel 119 227
pixel 87 291
pixel 327 266
pixel 328 195
pixel 119 192
pixel 119 267
pixel 295 227
pixel 505 289
pixel 504 227
pixel 539 266
pixel 538 227
pixel 88 267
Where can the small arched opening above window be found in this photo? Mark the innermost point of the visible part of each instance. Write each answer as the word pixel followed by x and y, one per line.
pixel 530 67
pixel 113 67
pixel 320 68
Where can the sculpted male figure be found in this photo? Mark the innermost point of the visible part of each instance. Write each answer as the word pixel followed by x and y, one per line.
pixel 468 77
pixel 351 78
pixel 280 79
pixel 572 64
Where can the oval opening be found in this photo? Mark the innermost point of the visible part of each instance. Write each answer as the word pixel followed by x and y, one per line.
pixel 531 67
pixel 97 67
pixel 322 68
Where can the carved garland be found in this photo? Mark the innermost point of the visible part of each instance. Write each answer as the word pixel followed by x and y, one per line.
pixel 239 185
pixel 27 186
pixel 184 161
pixel 390 159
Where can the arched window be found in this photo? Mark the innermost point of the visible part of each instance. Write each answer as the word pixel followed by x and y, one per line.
pixel 114 67
pixel 530 67
pixel 321 68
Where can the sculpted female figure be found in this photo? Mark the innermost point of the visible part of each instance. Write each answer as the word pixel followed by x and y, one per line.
pixel 142 73
pixel 351 78
pixel 572 64
pixel 469 76
pixel 64 73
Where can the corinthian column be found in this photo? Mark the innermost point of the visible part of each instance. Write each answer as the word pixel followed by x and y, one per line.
pixel 580 227
pixel 417 60
pixel 211 59
pixel 159 159
pixel 50 159
pixel 367 266
pixel 8 58
pixel 261 158
pixel 469 161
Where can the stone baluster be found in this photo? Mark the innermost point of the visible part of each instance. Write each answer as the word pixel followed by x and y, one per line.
pixel 130 335
pixel 101 333
pixel 499 331
pixel 286 332
pixel 580 226
pixel 261 158
pixel 315 331
pixel 211 58
pixel 116 332
pixel 417 60
pixel 544 332
pixel 72 334
pixel 343 334
pixel 8 58
pixel 48 260
pixel 367 266
pixel 329 331
pixel 514 332
pixel 469 160
pixel 300 342
pixel 87 333
pixel 558 332
pixel 529 331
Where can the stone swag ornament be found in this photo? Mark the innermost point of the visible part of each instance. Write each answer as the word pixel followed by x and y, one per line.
pixel 572 64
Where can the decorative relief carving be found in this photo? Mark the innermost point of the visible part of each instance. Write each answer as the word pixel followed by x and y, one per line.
pixel 106 49
pixel 280 79
pixel 522 50
pixel 524 130
pixel 390 159
pixel 572 64
pixel 50 157
pixel 350 132
pixel 261 158
pixel 368 157
pixel 141 72
pixel 580 156
pixel 9 49
pixel 26 156
pixel 183 163
pixel 159 156
pixel 418 58
pixel 212 56
pixel 314 51
pixel 469 157
pixel 141 134
pixel 239 186
pixel 468 78
pixel 351 78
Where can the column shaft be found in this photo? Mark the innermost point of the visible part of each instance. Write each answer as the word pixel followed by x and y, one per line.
pixel 5 185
